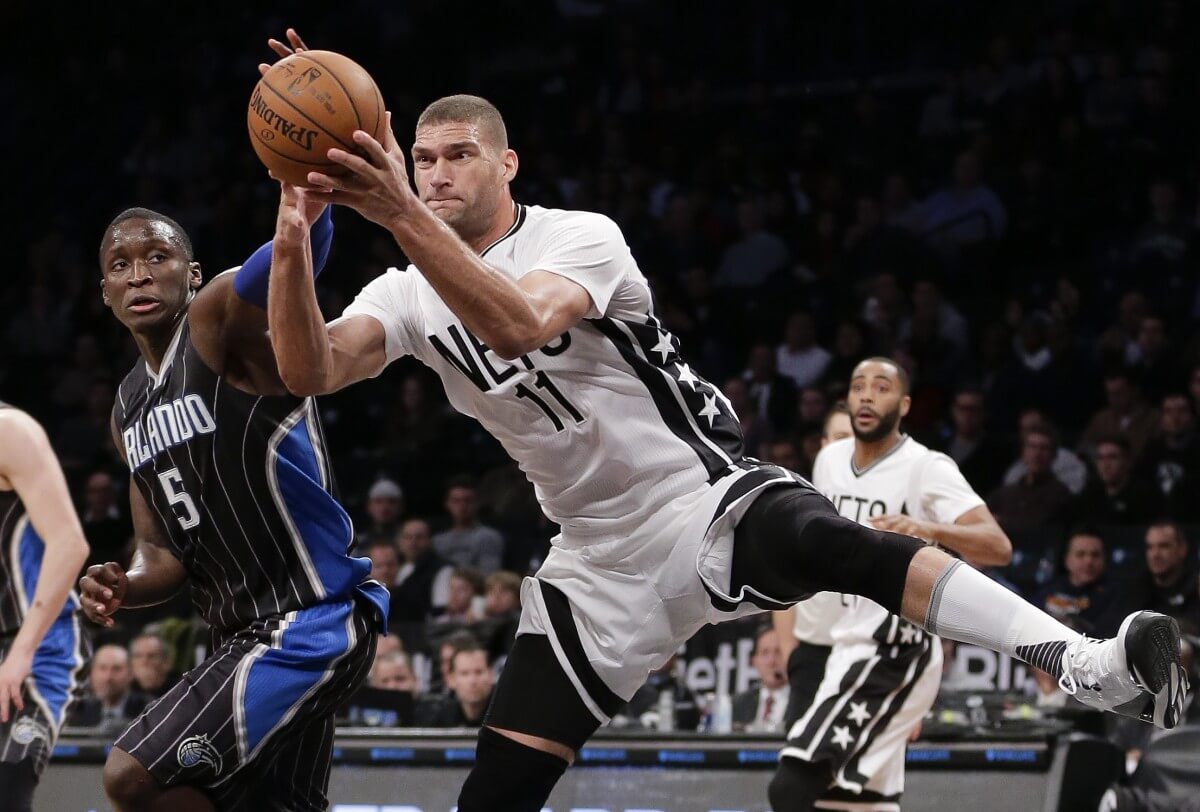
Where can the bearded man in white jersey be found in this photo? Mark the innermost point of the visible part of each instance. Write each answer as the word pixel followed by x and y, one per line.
pixel 882 676
pixel 541 325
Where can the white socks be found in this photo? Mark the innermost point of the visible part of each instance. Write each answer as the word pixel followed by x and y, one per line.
pixel 969 607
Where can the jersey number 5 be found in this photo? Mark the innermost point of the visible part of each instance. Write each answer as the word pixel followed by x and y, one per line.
pixel 181 503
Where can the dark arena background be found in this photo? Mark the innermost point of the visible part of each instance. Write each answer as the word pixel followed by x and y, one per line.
pixel 1002 197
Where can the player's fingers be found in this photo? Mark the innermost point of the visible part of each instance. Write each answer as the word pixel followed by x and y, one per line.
pixel 4 705
pixel 18 701
pixel 294 38
pixel 112 573
pixel 389 137
pixel 355 163
pixel 279 48
pixel 263 67
pixel 333 197
pixel 373 149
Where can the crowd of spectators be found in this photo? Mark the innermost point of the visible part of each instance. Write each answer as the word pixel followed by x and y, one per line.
pixel 1012 215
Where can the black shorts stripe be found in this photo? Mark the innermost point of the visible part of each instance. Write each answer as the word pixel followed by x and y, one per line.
pixel 804 740
pixel 559 610
pixel 664 394
pixel 850 770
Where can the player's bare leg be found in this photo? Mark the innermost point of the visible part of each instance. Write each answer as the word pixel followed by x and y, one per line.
pixel 132 789
pixel 538 743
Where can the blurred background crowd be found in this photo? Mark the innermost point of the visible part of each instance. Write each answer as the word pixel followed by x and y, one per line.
pixel 1002 197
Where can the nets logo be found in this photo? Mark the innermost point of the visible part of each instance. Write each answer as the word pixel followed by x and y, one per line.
pixel 198 750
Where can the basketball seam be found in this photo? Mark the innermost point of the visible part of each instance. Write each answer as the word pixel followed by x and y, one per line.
pixel 379 113
pixel 289 157
pixel 311 120
pixel 345 90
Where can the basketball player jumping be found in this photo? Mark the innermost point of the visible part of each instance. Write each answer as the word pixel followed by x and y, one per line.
pixel 847 748
pixel 42 648
pixel 230 490
pixel 541 325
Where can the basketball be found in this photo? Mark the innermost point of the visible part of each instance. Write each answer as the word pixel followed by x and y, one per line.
pixel 306 104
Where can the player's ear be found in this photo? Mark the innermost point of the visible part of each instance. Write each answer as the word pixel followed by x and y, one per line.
pixel 510 163
pixel 104 293
pixel 905 405
pixel 194 276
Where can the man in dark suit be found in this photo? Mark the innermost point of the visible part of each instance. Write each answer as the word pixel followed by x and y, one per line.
pixel 110 701
pixel 761 708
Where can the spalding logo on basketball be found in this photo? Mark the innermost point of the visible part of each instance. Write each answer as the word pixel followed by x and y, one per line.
pixel 198 750
pixel 307 104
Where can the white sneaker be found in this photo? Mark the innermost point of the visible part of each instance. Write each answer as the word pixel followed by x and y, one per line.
pixel 1137 673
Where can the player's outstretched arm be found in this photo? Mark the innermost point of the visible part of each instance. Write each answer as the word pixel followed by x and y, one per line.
pixel 313 358
pixel 154 575
pixel 29 466
pixel 511 317
pixel 975 535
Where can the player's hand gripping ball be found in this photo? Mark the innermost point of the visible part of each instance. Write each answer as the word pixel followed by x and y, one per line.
pixel 306 104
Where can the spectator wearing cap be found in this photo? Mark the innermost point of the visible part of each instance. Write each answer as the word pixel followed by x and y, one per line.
pixel 1125 414
pixel 385 509
pixel 468 543
pixel 1115 496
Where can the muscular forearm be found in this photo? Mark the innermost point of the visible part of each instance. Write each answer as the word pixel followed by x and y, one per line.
pixel 491 306
pixel 984 545
pixel 154 577
pixel 299 337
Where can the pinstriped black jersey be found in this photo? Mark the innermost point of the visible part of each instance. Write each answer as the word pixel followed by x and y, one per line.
pixel 242 487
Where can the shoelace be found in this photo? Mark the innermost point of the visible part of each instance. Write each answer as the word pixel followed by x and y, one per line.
pixel 1078 655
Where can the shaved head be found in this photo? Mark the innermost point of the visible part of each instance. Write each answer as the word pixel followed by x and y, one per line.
pixel 466 109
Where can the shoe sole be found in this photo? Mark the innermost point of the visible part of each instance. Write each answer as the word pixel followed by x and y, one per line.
pixel 1152 650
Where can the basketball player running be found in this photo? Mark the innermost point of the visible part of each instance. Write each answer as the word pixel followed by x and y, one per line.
pixel 882 677
pixel 230 490
pixel 541 326
pixel 42 648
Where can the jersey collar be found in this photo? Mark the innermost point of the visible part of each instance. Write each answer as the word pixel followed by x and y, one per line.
pixel 168 356
pixel 860 471
pixel 518 221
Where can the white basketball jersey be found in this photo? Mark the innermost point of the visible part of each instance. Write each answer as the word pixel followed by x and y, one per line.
pixel 909 479
pixel 607 420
